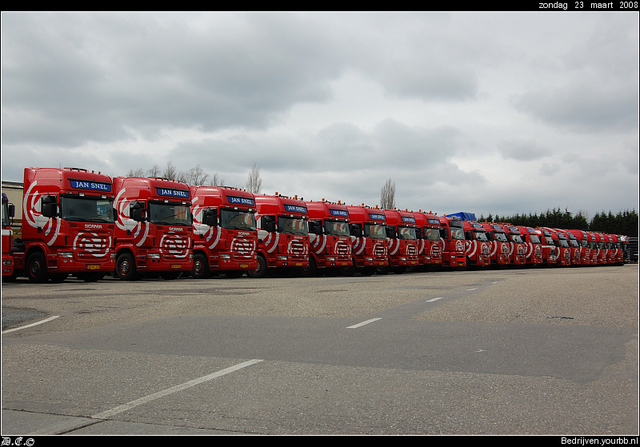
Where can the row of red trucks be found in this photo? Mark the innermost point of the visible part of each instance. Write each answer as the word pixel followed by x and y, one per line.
pixel 87 224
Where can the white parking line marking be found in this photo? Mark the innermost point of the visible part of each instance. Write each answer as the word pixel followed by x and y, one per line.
pixel 173 389
pixel 435 299
pixel 472 289
pixel 31 325
pixel 363 323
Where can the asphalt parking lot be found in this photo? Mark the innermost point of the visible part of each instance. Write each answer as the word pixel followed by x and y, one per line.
pixel 514 351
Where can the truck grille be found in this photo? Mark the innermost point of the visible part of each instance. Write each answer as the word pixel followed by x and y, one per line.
pixel 243 247
pixel 174 246
pixel 89 246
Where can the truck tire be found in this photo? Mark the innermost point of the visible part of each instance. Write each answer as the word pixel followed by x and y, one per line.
pixel 261 270
pixel 126 267
pixel 200 268
pixel 37 268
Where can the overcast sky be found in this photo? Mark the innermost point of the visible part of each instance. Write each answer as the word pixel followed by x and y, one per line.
pixel 498 113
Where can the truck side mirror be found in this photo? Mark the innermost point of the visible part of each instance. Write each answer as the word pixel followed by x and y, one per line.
pixel 210 217
pixel 49 206
pixel 136 211
pixel 391 232
pixel 12 210
pixel 315 226
pixel 269 224
pixel 355 230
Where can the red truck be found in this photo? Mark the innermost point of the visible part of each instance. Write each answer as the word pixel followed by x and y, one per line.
pixel 154 228
pixel 501 250
pixel 429 241
pixel 548 246
pixel 8 211
pixel 402 240
pixel 453 254
pixel 368 239
pixel 582 240
pixel 225 237
pixel 476 244
pixel 329 238
pixel 518 246
pixel 563 250
pixel 533 255
pixel 574 247
pixel 67 225
pixel 283 234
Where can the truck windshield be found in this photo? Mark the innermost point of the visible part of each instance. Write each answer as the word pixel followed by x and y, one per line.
pixel 237 220
pixel 336 228
pixel 169 214
pixel 292 225
pixel 534 239
pixel 432 234
pixel 86 209
pixel 457 233
pixel 480 236
pixel 516 238
pixel 500 237
pixel 407 233
pixel 375 231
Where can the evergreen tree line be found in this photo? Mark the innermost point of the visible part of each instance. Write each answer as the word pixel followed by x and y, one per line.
pixel 624 222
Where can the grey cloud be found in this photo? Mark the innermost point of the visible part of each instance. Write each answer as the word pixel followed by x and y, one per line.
pixel 583 108
pixel 522 149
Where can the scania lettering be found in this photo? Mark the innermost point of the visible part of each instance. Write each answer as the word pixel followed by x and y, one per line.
pixel 453 254
pixel 8 211
pixel 67 225
pixel 154 228
pixel 225 237
pixel 283 234
pixel 329 238
pixel 429 241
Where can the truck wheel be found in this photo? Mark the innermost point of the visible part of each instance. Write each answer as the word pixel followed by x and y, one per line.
pixel 37 268
pixel 312 270
pixel 200 267
pixel 261 270
pixel 126 267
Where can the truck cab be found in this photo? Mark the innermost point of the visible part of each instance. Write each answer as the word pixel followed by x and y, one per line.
pixel 518 246
pixel 154 228
pixel 476 244
pixel 533 253
pixel 501 250
pixel 429 241
pixel 67 225
pixel 283 234
pixel 225 236
pixel 452 231
pixel 402 240
pixel 329 237
pixel 368 239
pixel 563 250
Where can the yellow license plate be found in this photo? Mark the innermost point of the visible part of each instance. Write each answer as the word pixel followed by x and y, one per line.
pixel 244 265
pixel 298 264
pixel 176 266
pixel 93 267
